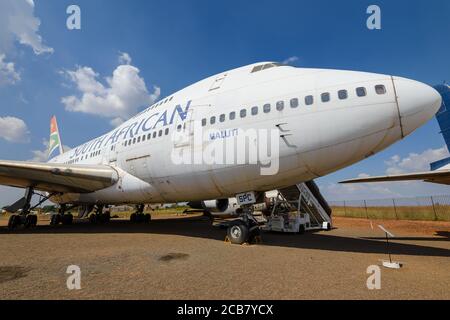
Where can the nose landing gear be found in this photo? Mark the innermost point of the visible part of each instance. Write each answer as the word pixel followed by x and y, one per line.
pixel 245 229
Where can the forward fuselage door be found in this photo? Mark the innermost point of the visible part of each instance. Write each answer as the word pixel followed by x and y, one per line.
pixel 184 130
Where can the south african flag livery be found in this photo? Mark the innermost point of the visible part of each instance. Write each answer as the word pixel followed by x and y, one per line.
pixel 55 140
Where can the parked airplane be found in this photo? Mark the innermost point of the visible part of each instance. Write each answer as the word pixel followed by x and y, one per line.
pixel 325 119
pixel 440 170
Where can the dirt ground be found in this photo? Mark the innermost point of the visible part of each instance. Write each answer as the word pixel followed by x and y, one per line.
pixel 186 258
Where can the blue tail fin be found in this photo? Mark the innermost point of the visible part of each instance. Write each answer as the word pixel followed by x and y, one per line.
pixel 443 118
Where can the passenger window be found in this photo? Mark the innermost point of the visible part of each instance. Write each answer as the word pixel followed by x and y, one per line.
pixel 160 133
pixel 167 131
pixel 294 103
pixel 212 120
pixel 361 92
pixel 243 113
pixel 266 108
pixel 222 118
pixel 129 142
pixel 280 105
pixel 149 136
pixel 125 144
pixel 254 111
pixel 342 94
pixel 325 97
pixel 232 115
pixel 134 140
pixel 143 138
pixel 309 100
pixel 380 89
pixel 139 139
pixel 203 124
pixel 154 134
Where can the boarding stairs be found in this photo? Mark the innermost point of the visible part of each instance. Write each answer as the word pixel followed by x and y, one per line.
pixel 306 198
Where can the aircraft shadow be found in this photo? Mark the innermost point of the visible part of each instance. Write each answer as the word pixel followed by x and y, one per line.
pixel 200 227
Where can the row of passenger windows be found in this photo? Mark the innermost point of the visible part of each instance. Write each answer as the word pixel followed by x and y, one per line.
pixel 146 137
pixel 293 103
pixel 83 157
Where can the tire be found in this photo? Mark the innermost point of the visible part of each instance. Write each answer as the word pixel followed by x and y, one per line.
pixel 147 218
pixel 55 220
pixel 238 233
pixel 93 218
pixel 12 222
pixel 106 217
pixel 33 221
pixel 133 218
pixel 301 229
pixel 67 219
pixel 29 220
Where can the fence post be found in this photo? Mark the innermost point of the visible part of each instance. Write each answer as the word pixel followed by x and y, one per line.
pixel 365 206
pixel 345 210
pixel 395 209
pixel 434 209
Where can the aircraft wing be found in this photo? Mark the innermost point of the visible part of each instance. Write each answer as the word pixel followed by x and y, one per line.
pixel 53 177
pixel 438 176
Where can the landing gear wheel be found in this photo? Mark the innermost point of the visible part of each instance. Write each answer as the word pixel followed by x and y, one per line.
pixel 301 229
pixel 133 217
pixel 93 218
pixel 67 219
pixel 30 221
pixel 55 219
pixel 106 217
pixel 147 218
pixel 13 221
pixel 238 233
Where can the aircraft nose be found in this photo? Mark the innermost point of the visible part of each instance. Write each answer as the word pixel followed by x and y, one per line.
pixel 417 103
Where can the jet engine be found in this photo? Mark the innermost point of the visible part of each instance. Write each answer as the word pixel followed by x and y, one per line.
pixel 212 206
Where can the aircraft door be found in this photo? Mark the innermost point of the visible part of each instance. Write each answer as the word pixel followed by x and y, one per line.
pixel 184 130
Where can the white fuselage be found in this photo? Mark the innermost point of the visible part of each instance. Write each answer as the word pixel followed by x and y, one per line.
pixel 322 137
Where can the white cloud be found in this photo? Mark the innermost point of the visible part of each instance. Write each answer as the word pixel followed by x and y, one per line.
pixel 124 58
pixel 415 162
pixel 18 23
pixel 290 60
pixel 8 74
pixel 13 129
pixel 42 155
pixel 340 192
pixel 395 165
pixel 119 99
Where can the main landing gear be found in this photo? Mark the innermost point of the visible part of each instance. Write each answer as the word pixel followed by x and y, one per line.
pixel 61 217
pixel 26 218
pixel 139 216
pixel 99 216
pixel 245 229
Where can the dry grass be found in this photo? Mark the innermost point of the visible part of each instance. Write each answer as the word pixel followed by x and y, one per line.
pixel 427 213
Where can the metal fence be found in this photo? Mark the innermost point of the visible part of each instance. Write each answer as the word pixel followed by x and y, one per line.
pixel 435 208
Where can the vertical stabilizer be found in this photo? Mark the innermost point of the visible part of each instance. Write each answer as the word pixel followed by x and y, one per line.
pixel 55 139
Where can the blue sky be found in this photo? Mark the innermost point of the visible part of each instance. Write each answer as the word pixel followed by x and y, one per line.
pixel 175 43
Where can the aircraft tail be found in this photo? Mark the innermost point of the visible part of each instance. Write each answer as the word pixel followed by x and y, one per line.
pixel 443 118
pixel 55 139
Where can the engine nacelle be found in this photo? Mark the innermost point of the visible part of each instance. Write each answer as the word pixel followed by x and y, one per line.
pixel 213 206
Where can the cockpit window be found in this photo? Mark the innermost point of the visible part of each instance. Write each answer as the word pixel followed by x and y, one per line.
pixel 265 66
